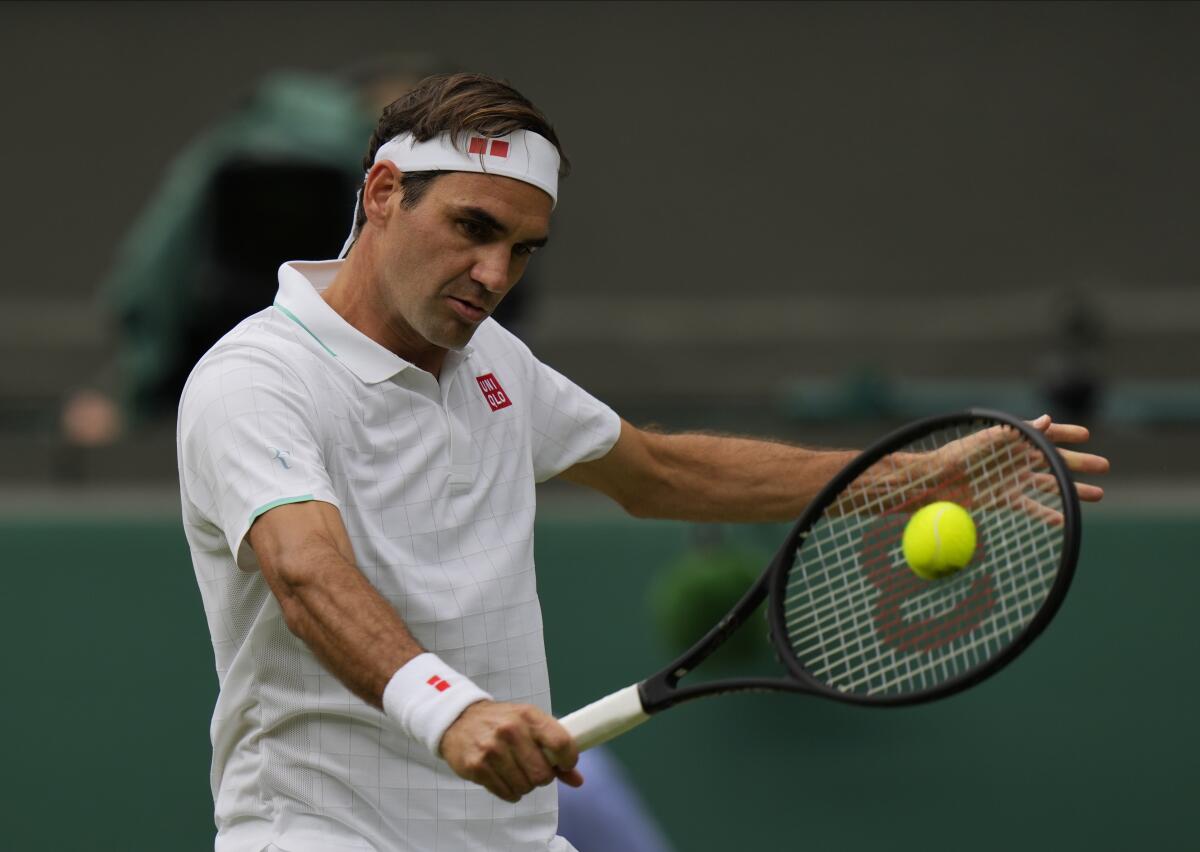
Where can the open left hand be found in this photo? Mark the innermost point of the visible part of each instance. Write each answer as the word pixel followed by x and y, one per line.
pixel 1077 462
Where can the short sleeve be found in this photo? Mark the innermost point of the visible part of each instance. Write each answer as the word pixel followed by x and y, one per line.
pixel 248 441
pixel 569 425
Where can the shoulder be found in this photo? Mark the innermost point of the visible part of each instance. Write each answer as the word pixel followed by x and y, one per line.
pixel 497 348
pixel 500 356
pixel 494 339
pixel 260 353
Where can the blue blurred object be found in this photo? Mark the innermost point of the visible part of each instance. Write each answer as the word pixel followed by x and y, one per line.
pixel 606 814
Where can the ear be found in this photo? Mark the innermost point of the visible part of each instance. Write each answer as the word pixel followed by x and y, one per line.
pixel 383 182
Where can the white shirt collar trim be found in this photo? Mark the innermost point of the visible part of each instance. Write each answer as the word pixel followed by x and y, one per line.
pixel 301 283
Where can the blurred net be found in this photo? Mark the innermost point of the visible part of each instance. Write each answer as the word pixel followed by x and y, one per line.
pixel 862 622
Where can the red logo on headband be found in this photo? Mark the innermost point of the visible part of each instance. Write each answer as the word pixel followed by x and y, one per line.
pixel 479 145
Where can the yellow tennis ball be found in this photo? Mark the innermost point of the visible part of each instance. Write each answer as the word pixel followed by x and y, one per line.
pixel 939 540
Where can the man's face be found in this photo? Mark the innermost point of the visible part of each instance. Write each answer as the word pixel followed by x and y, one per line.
pixel 444 264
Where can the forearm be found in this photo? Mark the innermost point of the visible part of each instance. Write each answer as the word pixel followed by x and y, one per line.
pixel 308 561
pixel 355 633
pixel 701 477
pixel 720 478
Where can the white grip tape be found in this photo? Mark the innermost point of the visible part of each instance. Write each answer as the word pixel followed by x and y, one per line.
pixel 606 718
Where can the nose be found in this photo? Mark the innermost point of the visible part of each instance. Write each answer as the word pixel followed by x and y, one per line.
pixel 492 270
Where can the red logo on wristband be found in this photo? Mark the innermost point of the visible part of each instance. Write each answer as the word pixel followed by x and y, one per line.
pixel 438 684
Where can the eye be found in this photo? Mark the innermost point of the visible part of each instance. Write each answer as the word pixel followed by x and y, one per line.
pixel 522 250
pixel 473 229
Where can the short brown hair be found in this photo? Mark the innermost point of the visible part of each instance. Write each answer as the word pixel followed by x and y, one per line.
pixel 456 104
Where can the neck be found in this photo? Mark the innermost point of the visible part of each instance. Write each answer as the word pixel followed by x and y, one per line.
pixel 356 294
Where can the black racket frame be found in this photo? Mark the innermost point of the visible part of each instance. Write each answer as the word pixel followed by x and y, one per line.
pixel 662 690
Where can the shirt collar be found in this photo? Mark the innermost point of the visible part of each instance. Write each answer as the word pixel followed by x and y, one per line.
pixel 301 283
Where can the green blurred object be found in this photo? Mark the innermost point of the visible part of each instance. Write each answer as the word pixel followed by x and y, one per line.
pixel 692 593
pixel 162 278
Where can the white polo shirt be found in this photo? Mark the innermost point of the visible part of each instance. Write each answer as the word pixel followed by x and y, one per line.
pixel 434 480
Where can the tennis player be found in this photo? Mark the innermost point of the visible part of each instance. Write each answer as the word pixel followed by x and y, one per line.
pixel 357 467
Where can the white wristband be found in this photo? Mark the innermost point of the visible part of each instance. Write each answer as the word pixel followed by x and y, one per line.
pixel 425 696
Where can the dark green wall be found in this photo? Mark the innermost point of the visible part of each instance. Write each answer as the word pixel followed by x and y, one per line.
pixel 1089 741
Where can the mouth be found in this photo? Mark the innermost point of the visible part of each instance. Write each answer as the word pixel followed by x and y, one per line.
pixel 469 311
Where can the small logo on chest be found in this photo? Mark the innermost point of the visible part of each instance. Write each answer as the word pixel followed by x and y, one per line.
pixel 492 392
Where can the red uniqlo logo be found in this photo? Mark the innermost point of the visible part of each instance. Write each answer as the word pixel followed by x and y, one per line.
pixel 479 145
pixel 438 684
pixel 492 392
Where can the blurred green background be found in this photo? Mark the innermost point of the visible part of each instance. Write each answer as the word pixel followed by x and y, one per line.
pixel 1088 741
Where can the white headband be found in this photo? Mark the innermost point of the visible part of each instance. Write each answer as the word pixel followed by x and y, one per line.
pixel 522 154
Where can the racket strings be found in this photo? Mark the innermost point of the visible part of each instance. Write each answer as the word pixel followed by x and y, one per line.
pixel 858 675
pixel 860 621
pixel 885 627
pixel 849 543
pixel 918 586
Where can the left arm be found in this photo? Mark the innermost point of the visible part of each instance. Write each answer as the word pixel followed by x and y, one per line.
pixel 699 477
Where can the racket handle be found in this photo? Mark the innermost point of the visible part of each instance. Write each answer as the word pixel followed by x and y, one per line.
pixel 606 718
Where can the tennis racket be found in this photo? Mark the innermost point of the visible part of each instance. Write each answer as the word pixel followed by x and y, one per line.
pixel 850 621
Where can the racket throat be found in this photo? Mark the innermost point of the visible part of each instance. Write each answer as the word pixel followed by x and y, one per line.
pixel 715 638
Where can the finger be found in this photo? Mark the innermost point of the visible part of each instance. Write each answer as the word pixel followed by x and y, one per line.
pixel 495 784
pixel 570 777
pixel 1039 511
pixel 1020 496
pixel 561 750
pixel 533 762
pixel 502 753
pixel 1046 483
pixel 557 744
pixel 1041 423
pixel 1084 462
pixel 1065 433
pixel 504 765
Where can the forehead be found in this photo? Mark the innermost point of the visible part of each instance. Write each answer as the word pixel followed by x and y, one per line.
pixel 513 202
